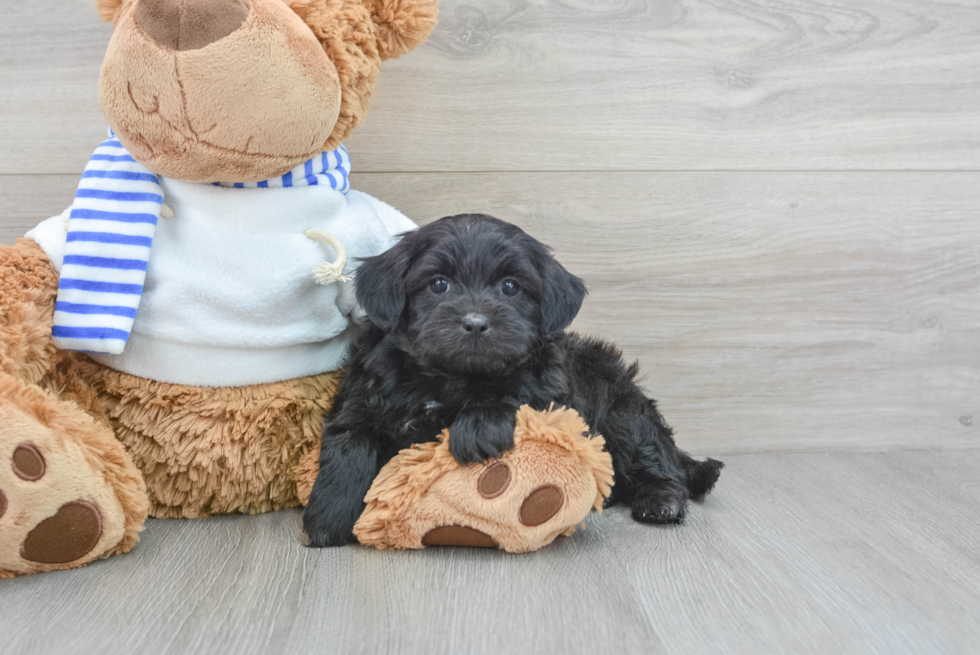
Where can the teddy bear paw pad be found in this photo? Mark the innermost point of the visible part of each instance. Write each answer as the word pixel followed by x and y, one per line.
pixel 494 480
pixel 541 504
pixel 458 535
pixel 70 534
pixel 27 463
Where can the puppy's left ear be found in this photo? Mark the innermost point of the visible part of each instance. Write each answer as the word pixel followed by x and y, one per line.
pixel 379 284
pixel 402 24
pixel 562 298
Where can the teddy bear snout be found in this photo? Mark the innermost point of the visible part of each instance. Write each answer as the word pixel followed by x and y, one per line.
pixel 190 24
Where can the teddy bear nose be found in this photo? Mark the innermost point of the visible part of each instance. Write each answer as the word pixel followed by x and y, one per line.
pixel 190 24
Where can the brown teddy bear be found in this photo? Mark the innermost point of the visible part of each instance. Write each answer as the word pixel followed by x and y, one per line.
pixel 220 208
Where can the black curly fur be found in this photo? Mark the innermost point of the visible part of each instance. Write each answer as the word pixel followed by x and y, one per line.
pixel 468 356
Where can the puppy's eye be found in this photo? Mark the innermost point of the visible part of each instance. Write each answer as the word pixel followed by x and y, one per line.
pixel 509 287
pixel 439 285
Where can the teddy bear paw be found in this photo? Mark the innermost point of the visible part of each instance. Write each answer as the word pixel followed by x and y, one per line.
pixel 58 506
pixel 542 488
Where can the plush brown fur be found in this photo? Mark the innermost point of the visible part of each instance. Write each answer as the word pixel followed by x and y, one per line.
pixel 28 287
pixel 207 451
pixel 423 488
pixel 402 24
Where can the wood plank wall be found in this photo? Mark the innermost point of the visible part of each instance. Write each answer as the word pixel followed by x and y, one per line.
pixel 776 206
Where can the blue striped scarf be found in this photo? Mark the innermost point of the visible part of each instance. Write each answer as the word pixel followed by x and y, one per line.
pixel 331 168
pixel 110 232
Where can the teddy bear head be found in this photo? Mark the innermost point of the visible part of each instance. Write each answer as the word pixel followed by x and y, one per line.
pixel 245 90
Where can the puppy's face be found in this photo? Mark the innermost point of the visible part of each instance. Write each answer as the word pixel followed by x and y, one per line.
pixel 469 294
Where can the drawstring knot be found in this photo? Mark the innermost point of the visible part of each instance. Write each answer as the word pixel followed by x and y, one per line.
pixel 330 272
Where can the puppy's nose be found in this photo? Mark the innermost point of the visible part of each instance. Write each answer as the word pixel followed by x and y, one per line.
pixel 190 24
pixel 476 323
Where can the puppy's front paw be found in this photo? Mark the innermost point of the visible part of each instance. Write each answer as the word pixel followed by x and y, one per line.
pixel 469 451
pixel 479 435
pixel 326 538
pixel 326 524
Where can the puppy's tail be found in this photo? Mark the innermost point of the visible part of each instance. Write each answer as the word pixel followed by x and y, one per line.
pixel 701 476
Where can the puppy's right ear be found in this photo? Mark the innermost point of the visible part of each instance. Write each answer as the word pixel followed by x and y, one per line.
pixel 379 284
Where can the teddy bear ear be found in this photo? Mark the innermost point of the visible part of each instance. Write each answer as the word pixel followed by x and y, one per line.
pixel 110 10
pixel 402 24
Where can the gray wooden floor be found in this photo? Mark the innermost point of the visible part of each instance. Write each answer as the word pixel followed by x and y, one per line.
pixel 776 207
pixel 795 553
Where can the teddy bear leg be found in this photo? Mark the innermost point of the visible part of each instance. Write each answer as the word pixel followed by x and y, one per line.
pixel 69 493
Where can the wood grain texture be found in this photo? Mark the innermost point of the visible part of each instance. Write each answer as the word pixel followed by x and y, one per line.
pixel 769 311
pixel 804 553
pixel 508 85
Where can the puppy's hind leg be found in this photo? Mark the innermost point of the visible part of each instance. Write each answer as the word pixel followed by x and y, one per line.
pixel 653 476
pixel 664 499
pixel 660 501
pixel 668 477
pixel 646 462
pixel 661 492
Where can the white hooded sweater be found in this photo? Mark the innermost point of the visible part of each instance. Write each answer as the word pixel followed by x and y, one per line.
pixel 230 298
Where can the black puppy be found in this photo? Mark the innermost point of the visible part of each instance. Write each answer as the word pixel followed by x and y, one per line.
pixel 467 321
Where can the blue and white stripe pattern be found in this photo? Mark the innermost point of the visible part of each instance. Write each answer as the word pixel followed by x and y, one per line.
pixel 110 231
pixel 328 168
